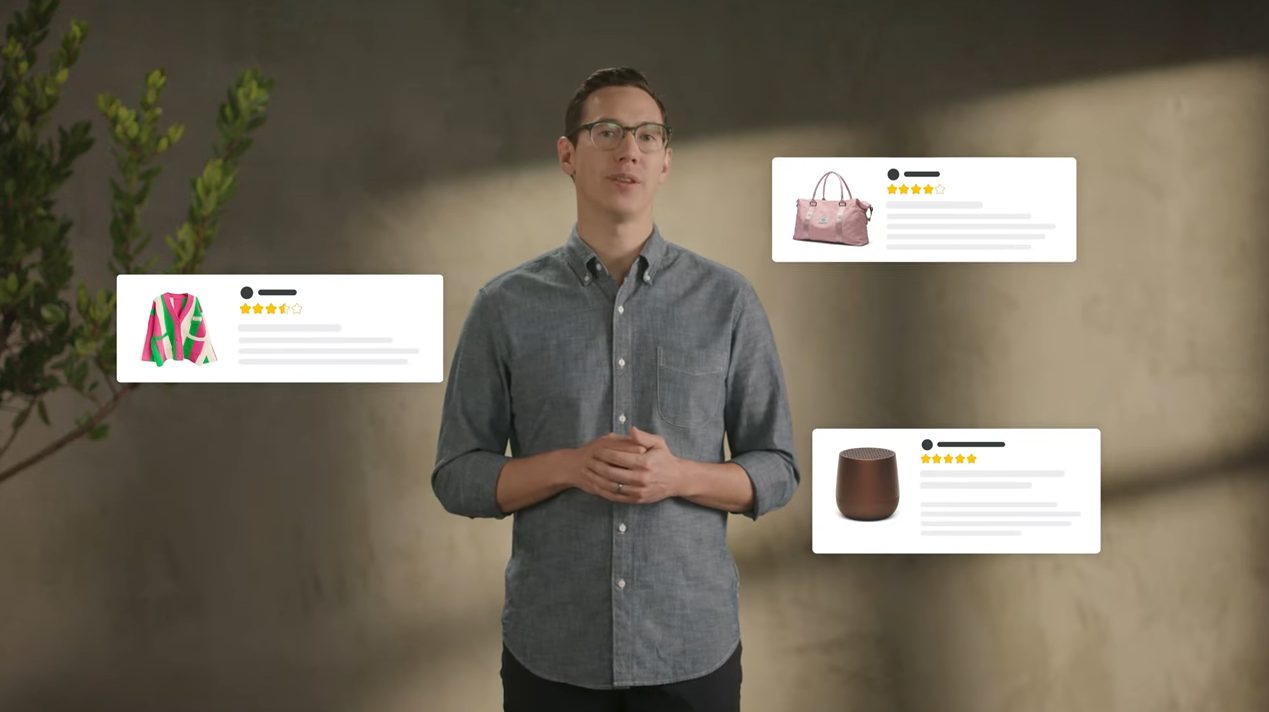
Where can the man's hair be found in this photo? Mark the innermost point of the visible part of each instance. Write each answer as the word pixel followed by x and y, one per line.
pixel 612 77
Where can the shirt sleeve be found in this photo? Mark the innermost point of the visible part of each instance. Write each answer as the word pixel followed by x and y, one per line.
pixel 759 425
pixel 475 417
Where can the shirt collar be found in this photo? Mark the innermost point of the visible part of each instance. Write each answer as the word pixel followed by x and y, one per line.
pixel 585 264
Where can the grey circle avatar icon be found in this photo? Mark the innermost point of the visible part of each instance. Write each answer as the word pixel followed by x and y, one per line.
pixel 246 292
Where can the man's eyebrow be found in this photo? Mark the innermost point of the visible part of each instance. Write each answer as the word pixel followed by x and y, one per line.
pixel 615 121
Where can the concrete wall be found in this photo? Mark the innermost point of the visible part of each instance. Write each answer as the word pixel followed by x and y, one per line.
pixel 278 547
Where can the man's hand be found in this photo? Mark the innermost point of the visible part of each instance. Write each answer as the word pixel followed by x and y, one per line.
pixel 583 478
pixel 639 469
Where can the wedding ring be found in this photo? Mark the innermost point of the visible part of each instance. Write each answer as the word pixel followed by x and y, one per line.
pixel 619 486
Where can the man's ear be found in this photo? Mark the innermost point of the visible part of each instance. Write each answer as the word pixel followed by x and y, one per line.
pixel 567 152
pixel 665 165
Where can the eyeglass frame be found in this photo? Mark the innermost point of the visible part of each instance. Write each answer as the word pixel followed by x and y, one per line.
pixel 669 132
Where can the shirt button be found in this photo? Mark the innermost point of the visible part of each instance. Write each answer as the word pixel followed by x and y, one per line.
pixel 586 279
pixel 621 527
pixel 621 362
pixel 621 310
pixel 621 583
pixel 647 278
pixel 621 418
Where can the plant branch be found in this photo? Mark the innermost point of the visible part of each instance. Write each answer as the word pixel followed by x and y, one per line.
pixel 22 416
pixel 102 413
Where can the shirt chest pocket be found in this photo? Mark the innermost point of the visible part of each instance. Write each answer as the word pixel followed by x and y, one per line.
pixel 691 385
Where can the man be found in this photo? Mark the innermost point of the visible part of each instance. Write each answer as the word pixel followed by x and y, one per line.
pixel 614 366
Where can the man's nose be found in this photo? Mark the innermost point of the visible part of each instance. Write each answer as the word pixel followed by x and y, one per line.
pixel 629 146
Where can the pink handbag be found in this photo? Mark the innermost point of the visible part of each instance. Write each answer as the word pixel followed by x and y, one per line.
pixel 843 221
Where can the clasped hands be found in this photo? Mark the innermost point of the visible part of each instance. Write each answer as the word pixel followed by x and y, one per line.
pixel 634 469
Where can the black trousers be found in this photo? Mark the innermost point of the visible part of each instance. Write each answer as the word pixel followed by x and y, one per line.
pixel 719 691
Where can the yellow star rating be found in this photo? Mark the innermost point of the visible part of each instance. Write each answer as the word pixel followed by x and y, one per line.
pixel 916 189
pixel 949 459
pixel 271 308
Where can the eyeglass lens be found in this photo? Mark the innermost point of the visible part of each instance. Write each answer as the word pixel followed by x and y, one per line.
pixel 608 136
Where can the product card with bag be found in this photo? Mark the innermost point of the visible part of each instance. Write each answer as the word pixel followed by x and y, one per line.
pixel 966 209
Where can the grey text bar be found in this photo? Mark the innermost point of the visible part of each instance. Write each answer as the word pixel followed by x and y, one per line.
pixel 975 485
pixel 965 236
pixel 894 225
pixel 953 532
pixel 289 327
pixel 958 513
pixel 934 204
pixel 968 216
pixel 328 351
pixel 989 504
pixel 324 362
pixel 314 339
pixel 995 524
pixel 993 473
pixel 935 248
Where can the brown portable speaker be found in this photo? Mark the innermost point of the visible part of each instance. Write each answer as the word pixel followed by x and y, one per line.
pixel 867 483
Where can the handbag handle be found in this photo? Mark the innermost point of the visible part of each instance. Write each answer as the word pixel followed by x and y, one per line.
pixel 844 191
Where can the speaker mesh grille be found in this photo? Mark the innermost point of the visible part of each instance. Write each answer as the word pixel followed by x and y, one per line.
pixel 868 453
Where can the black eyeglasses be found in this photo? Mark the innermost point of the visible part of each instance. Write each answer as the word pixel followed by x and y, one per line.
pixel 608 135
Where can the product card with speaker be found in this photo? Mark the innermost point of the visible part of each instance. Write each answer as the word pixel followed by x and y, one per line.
pixel 980 491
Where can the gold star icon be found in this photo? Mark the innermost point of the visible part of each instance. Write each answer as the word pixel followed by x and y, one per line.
pixel 960 459
pixel 972 459
pixel 929 189
pixel 282 309
pixel 257 308
pixel 939 189
pixel 903 189
pixel 271 308
pixel 936 459
pixel 891 189
pixel 925 459
pixel 295 309
pixel 246 308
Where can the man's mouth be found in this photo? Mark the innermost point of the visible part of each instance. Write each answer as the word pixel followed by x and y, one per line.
pixel 625 179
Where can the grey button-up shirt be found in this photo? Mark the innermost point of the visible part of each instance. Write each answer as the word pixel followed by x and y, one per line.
pixel 553 355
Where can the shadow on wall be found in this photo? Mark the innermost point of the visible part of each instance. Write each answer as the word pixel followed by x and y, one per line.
pixel 297 556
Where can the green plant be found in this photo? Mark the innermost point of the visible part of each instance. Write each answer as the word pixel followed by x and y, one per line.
pixel 49 339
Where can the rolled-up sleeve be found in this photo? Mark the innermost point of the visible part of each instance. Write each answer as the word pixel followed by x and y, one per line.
pixel 759 425
pixel 475 417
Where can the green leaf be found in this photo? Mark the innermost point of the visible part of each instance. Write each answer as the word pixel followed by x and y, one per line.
pixel 12 282
pixel 43 412
pixel 100 432
pixel 52 313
